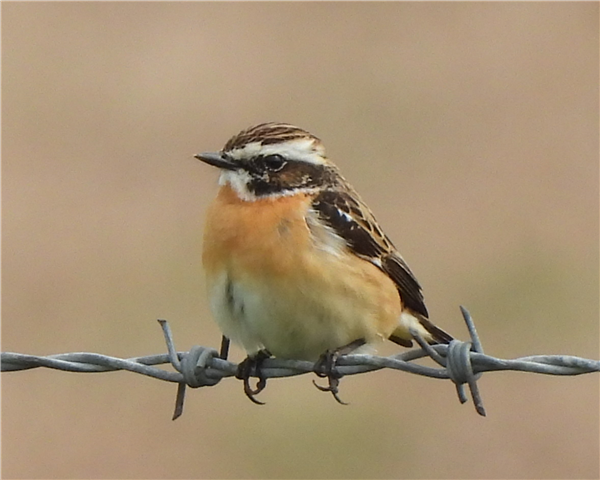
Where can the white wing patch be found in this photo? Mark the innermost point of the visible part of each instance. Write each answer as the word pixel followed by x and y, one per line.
pixel 324 237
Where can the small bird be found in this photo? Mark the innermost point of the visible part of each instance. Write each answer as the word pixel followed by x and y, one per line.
pixel 296 265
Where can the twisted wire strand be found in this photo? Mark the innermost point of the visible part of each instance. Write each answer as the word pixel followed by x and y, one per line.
pixel 461 362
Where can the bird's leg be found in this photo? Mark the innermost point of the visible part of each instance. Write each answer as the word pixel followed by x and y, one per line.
pixel 325 367
pixel 224 351
pixel 244 371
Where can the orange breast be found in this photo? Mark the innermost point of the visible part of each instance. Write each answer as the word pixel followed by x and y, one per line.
pixel 264 237
pixel 300 298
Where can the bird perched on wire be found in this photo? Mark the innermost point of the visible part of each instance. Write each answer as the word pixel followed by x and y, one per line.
pixel 296 264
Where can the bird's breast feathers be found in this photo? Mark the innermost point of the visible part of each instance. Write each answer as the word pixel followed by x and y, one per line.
pixel 280 278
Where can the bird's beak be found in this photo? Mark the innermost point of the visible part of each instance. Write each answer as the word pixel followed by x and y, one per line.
pixel 217 160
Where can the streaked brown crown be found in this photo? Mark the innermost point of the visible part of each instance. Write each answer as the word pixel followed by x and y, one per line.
pixel 268 134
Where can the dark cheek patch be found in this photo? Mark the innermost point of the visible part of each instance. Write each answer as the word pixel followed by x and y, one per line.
pixel 294 175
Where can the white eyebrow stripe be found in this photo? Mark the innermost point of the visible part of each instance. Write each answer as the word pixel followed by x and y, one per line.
pixel 304 149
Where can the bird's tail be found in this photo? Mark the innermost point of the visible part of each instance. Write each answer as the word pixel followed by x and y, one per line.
pixel 439 335
pixel 423 325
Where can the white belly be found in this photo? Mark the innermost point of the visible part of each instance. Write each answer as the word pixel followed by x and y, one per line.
pixel 299 321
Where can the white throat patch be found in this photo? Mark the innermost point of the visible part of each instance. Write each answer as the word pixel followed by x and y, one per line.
pixel 238 180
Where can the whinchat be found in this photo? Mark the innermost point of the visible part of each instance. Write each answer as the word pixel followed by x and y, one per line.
pixel 296 264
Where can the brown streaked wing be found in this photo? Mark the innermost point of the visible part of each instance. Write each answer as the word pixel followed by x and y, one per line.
pixel 353 221
pixel 408 286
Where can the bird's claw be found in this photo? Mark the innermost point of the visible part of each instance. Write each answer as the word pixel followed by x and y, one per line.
pixel 325 368
pixel 244 372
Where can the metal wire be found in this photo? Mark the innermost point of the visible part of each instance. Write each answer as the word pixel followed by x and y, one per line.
pixel 461 362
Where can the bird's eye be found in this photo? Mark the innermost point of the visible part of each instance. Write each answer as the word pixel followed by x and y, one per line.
pixel 274 162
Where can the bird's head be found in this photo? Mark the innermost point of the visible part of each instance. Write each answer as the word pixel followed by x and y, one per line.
pixel 272 160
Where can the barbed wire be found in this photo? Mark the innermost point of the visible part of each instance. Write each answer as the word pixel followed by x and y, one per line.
pixel 461 362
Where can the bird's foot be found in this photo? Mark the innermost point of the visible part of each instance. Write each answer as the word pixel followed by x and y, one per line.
pixel 325 367
pixel 245 369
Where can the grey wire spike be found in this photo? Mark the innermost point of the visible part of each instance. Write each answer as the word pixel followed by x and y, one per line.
pixel 477 347
pixel 472 330
pixel 181 387
pixel 457 361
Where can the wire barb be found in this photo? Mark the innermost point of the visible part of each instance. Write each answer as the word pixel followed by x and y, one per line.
pixel 461 362
pixel 457 361
pixel 193 366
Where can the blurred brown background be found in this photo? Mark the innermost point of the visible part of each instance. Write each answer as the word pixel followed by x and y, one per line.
pixel 471 129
